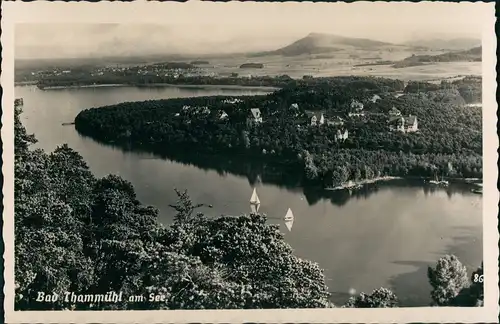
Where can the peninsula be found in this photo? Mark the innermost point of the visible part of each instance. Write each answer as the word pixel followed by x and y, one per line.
pixel 332 131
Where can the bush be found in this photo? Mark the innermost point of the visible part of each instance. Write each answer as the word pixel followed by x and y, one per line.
pixel 379 298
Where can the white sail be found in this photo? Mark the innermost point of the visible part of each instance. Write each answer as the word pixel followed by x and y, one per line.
pixel 254 199
pixel 289 225
pixel 289 215
pixel 254 208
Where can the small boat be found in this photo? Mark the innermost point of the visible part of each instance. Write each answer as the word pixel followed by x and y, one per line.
pixel 289 215
pixel 289 219
pixel 254 208
pixel 352 186
pixel 438 182
pixel 254 199
pixel 254 202
pixel 478 191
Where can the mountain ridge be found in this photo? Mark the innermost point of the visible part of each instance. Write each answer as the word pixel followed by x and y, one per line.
pixel 318 43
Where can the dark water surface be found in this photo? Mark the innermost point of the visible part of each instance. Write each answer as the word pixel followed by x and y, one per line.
pixel 385 236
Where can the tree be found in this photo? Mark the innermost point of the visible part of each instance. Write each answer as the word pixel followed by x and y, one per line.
pixel 246 139
pixel 185 283
pixel 447 279
pixel 379 298
pixel 310 168
pixel 254 254
pixel 369 174
pixel 477 286
pixel 357 174
pixel 49 231
pixel 185 207
pixel 21 138
pixel 474 294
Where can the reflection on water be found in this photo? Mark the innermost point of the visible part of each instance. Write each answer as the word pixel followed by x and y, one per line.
pixel 384 235
pixel 284 176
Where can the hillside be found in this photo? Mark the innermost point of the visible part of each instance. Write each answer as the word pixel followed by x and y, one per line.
pixel 454 44
pixel 471 55
pixel 316 43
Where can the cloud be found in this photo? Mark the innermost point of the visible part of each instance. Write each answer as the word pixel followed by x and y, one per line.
pixel 238 27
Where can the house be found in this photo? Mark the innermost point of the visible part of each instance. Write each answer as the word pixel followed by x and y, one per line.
pixel 411 124
pixel 186 108
pixel 223 115
pixel 335 121
pixel 341 135
pixel 356 105
pixel 394 112
pixel 356 109
pixel 204 110
pixel 356 114
pixel 232 101
pixel 294 109
pixel 255 116
pixel 316 118
pixel 396 124
pixel 402 124
pixel 375 98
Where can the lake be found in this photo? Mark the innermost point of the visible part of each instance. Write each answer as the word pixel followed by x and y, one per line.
pixel 382 237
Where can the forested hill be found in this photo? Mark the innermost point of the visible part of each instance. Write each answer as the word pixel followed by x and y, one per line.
pixel 316 43
pixel 471 55
pixel 449 131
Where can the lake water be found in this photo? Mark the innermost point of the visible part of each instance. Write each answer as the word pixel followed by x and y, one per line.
pixel 378 238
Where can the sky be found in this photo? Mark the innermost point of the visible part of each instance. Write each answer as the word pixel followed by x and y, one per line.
pixel 205 28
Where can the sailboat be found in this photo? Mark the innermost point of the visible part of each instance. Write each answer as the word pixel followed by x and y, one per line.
pixel 255 199
pixel 351 185
pixel 254 202
pixel 289 220
pixel 289 215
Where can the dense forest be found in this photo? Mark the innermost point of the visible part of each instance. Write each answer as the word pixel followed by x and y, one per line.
pixel 469 88
pixel 138 80
pixel 78 233
pixel 448 143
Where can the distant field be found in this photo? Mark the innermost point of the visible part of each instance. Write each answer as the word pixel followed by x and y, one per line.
pixel 342 64
pixel 362 63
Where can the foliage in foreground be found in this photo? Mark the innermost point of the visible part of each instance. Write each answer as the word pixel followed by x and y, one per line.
pixel 452 286
pixel 77 233
pixel 379 298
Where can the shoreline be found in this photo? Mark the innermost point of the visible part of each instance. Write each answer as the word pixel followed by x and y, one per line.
pixel 168 85
pixel 210 86
pixel 84 86
pixel 24 83
pixel 389 178
pixel 363 182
